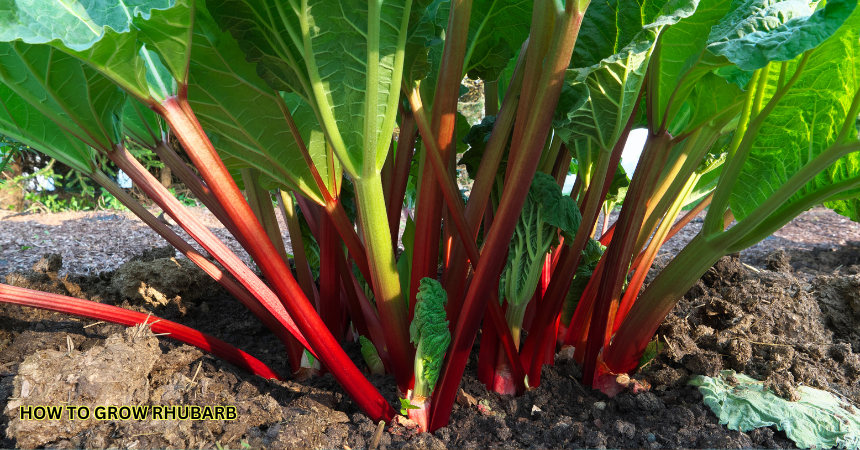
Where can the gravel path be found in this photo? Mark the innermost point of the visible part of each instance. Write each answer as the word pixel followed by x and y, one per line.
pixel 91 242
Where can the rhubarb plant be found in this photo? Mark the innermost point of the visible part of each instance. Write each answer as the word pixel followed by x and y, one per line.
pixel 750 109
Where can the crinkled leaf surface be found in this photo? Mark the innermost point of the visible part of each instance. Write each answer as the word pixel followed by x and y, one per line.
pixel 240 113
pixel 546 211
pixel 759 31
pixel 804 124
pixel 596 101
pixel 429 329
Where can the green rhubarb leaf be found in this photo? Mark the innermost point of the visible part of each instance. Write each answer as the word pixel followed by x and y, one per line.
pixel 546 211
pixel 141 124
pixel 427 23
pixel 818 419
pixel 108 34
pixel 350 64
pixel 681 47
pixel 477 139
pixel 596 101
pixel 497 29
pixel 27 125
pixel 242 115
pixel 757 32
pixel 618 186
pixel 80 100
pixel 77 24
pixel 429 331
pixel 805 123
pixel 713 99
pixel 269 40
pixel 608 27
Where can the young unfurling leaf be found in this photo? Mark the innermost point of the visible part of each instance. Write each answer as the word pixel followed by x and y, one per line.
pixel 429 332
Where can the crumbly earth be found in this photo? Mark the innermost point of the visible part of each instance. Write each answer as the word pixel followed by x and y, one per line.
pixel 797 323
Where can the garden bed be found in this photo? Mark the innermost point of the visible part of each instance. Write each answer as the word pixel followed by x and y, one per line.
pixel 787 318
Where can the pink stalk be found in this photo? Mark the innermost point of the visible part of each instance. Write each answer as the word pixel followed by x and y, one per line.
pixel 234 288
pixel 451 196
pixel 162 197
pixel 520 174
pixel 92 310
pixel 422 414
pixel 619 254
pixel 476 207
pixel 443 125
pixel 182 120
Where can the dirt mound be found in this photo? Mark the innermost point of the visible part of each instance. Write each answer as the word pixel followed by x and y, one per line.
pixel 115 373
pixel 772 326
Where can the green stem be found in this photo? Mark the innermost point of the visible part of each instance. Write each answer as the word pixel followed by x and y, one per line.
pixel 746 134
pixel 383 273
pixel 622 355
pixel 782 195
pixel 779 219
pixel 760 88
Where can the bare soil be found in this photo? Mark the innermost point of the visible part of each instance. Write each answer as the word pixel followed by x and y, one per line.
pixel 787 318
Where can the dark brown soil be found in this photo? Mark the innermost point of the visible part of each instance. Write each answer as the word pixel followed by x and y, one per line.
pixel 787 326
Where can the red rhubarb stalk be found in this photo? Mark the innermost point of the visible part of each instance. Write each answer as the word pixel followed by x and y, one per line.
pixel 521 172
pixel 402 164
pixel 92 310
pixel 443 125
pixel 330 254
pixel 194 140
pixel 476 207
pixel 234 288
pixel 451 196
pixel 619 254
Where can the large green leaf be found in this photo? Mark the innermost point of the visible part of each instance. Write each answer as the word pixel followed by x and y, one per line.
pixel 240 112
pixel 77 24
pixel 351 62
pixel 24 123
pixel 681 47
pixel 107 34
pixel 805 123
pixel 426 38
pixel 597 101
pixel 70 93
pixel 349 50
pixel 759 31
pixel 609 26
pixel 497 29
pixel 273 42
